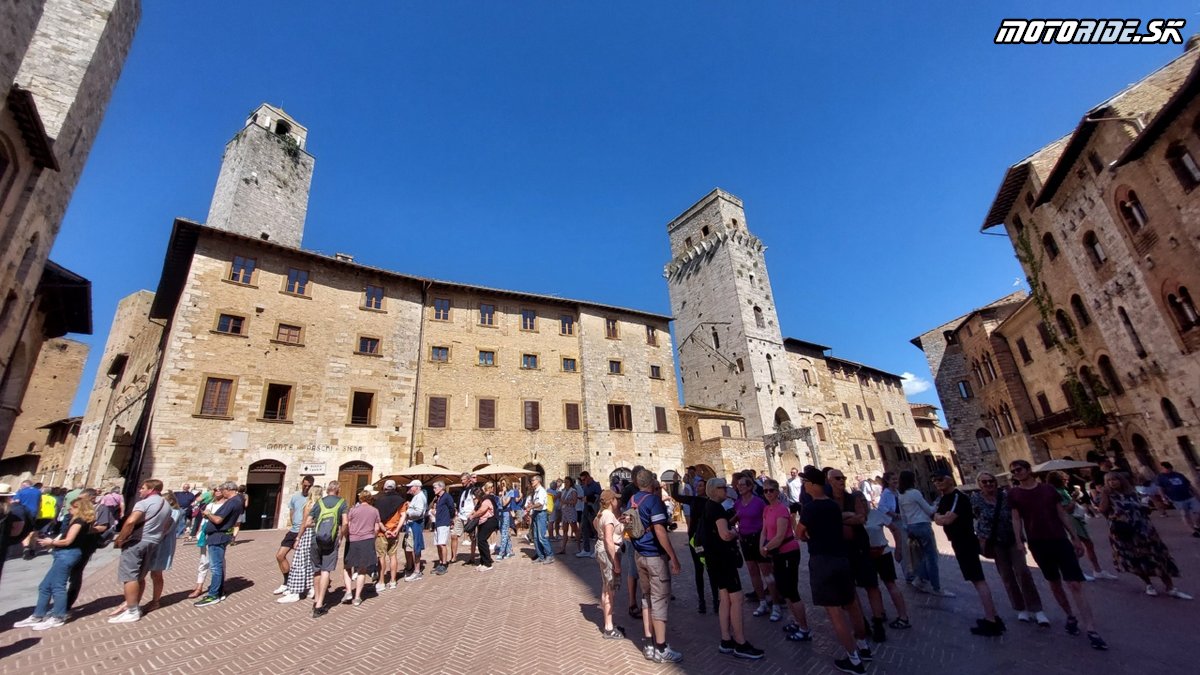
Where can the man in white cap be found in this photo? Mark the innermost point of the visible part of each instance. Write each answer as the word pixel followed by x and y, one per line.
pixel 414 538
pixel 390 504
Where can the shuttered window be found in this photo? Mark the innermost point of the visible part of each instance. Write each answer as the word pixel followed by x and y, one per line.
pixel 487 413
pixel 437 412
pixel 533 415
pixel 660 419
pixel 216 396
pixel 571 412
pixel 620 417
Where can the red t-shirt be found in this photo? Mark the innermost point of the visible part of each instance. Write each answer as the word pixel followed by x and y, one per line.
pixel 1038 507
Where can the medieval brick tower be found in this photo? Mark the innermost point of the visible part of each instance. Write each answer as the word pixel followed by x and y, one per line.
pixel 731 352
pixel 262 190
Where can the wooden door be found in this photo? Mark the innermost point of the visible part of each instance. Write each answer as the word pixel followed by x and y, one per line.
pixel 352 478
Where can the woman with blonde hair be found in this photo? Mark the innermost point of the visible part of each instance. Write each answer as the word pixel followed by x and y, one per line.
pixel 611 532
pixel 300 579
pixel 68 551
pixel 997 540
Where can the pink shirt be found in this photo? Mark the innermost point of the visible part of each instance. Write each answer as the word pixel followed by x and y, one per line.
pixel 771 516
pixel 363 518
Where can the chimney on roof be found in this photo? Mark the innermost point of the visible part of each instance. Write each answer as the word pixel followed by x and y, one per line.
pixel 1192 42
pixel 344 257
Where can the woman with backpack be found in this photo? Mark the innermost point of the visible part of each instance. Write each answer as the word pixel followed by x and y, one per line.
pixel 486 523
pixel 364 524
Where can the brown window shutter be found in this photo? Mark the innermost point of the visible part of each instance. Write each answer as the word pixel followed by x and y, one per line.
pixel 660 418
pixel 437 413
pixel 537 414
pixel 628 417
pixel 487 414
pixel 573 416
pixel 531 415
pixel 612 416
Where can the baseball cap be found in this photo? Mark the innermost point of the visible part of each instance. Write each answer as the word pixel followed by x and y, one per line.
pixel 717 483
pixel 414 483
pixel 389 484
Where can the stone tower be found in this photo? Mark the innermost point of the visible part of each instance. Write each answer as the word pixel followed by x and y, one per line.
pixel 731 352
pixel 262 190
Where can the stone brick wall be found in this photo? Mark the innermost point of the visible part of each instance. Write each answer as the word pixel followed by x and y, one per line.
pixel 263 185
pixel 127 368
pixel 18 20
pixel 48 397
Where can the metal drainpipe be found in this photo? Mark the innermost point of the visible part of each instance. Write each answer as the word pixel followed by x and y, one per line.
pixel 412 436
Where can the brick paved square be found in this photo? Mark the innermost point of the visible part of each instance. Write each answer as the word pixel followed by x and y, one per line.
pixel 526 618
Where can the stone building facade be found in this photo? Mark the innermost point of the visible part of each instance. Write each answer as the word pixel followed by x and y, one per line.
pixel 805 405
pixel 1105 224
pixel 38 444
pixel 275 361
pixel 59 61
pixel 128 366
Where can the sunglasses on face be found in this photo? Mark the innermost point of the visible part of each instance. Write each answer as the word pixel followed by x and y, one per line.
pixel 770 490
pixel 837 478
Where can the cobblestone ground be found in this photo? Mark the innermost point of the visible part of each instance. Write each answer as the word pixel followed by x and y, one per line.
pixel 526 618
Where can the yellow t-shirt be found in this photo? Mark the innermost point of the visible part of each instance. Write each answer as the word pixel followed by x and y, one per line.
pixel 48 507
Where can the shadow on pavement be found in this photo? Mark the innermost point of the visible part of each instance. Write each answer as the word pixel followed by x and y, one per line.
pixel 18 646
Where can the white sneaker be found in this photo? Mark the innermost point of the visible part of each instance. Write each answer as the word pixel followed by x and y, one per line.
pixel 51 622
pixel 484 568
pixel 1105 574
pixel 1151 591
pixel 29 622
pixel 1024 617
pixel 1041 618
pixel 312 593
pixel 289 598
pixel 1088 577
pixel 128 616
pixel 281 590
pixel 945 593
pixel 391 585
pixel 1174 593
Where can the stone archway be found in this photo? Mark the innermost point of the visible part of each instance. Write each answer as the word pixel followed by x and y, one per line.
pixel 264 490
pixel 1141 450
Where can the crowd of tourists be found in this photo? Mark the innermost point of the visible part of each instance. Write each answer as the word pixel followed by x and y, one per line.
pixel 861 536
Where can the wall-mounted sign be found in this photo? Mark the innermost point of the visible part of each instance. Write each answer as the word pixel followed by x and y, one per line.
pixel 316 468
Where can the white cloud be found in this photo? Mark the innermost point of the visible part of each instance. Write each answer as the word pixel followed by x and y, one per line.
pixel 914 384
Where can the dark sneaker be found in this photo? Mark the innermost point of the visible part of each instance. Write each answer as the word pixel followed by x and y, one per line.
pixel 900 624
pixel 319 612
pixel 439 569
pixel 726 646
pixel 799 635
pixel 28 554
pixel 612 634
pixel 206 601
pixel 702 609
pixel 1097 641
pixel 1000 624
pixel 648 650
pixel 878 634
pixel 1072 626
pixel 847 666
pixel 864 654
pixel 750 597
pixel 985 628
pixel 748 651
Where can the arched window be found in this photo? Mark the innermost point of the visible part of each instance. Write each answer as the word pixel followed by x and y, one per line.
pixel 984 438
pixel 771 369
pixel 758 318
pixel 1187 172
pixel 1131 211
pixel 1182 309
pixel 1006 414
pixel 1170 414
pixel 1129 329
pixel 1091 386
pixel 978 373
pixel 1080 311
pixel 1050 245
pixel 1096 252
pixel 1064 324
pixel 1110 375
pixel 282 128
pixel 1018 225
pixel 991 369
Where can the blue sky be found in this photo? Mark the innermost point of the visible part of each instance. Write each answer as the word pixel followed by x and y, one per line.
pixel 544 146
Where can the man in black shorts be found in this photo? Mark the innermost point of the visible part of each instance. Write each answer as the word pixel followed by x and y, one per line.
pixel 854 518
pixel 1039 519
pixel 829 571
pixel 955 515
pixel 719 544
